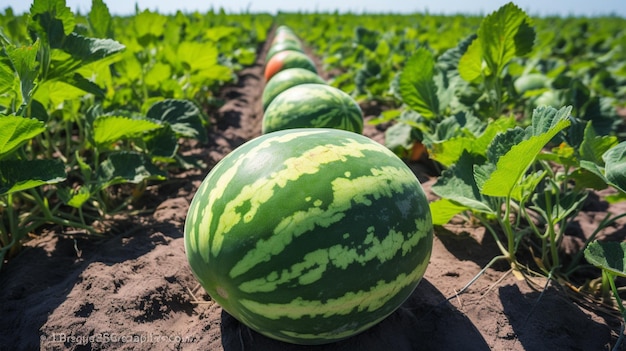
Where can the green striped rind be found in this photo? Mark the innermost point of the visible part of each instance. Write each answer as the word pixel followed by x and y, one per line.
pixel 286 79
pixel 283 46
pixel 296 59
pixel 313 106
pixel 309 235
pixel 284 34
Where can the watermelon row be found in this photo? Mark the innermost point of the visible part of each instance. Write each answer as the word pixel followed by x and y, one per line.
pixel 312 232
pixel 295 96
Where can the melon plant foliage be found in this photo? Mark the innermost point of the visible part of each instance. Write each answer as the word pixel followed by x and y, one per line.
pixel 309 235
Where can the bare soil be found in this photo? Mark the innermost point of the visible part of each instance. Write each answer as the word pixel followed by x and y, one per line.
pixel 133 289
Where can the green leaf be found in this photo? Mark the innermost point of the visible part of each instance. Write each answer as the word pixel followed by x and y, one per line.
pixel 443 210
pixel 615 166
pixel 457 184
pixel 74 198
pixel 19 175
pixel 100 19
pixel 544 119
pixel 127 167
pixel 198 56
pixel 24 61
pixel 108 129
pixel 417 87
pixel 79 51
pixel 594 146
pixel 471 63
pixel 448 151
pixel 7 73
pixel 52 20
pixel 608 255
pixel 505 34
pixel 148 25
pixel 162 143
pixel 182 115
pixel 527 186
pixel 511 166
pixel 16 130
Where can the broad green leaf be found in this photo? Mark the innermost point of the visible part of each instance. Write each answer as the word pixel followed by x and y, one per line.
pixel 162 143
pixel 109 129
pixel 16 130
pixel 148 25
pixel 544 118
pixel 19 175
pixel 511 166
pixel 527 186
pixel 471 63
pixel 80 82
pixel 127 167
pixel 398 137
pixel 503 142
pixel 457 184
pixel 52 20
pixel 417 87
pixel 100 19
pixel 157 74
pixel 216 33
pixel 198 56
pixel 7 73
pixel 505 34
pixel 448 151
pixel 443 210
pixel 24 61
pixel 449 61
pixel 594 146
pixel 615 166
pixel 74 198
pixel 53 93
pixel 79 51
pixel 182 115
pixel 608 255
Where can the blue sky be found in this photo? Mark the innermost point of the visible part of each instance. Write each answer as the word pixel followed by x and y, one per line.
pixel 532 7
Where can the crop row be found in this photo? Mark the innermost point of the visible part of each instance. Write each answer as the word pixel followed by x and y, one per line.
pixel 93 108
pixel 522 120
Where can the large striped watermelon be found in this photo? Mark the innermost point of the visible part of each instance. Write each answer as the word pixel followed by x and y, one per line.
pixel 309 235
pixel 313 106
pixel 286 79
pixel 288 59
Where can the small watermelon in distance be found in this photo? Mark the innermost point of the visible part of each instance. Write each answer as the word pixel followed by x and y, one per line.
pixel 284 34
pixel 309 236
pixel 282 46
pixel 288 59
pixel 313 106
pixel 286 79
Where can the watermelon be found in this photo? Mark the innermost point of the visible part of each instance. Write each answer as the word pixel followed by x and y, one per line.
pixel 288 59
pixel 285 35
pixel 282 46
pixel 309 236
pixel 313 106
pixel 286 79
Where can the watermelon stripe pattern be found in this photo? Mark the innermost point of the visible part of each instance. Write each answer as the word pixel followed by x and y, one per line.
pixel 309 235
pixel 313 106
pixel 286 79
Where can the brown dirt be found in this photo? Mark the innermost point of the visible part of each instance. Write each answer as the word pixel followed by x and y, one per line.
pixel 135 290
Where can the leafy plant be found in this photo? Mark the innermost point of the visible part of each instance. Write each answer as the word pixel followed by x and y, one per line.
pixel 529 194
pixel 610 257
pixel 68 137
